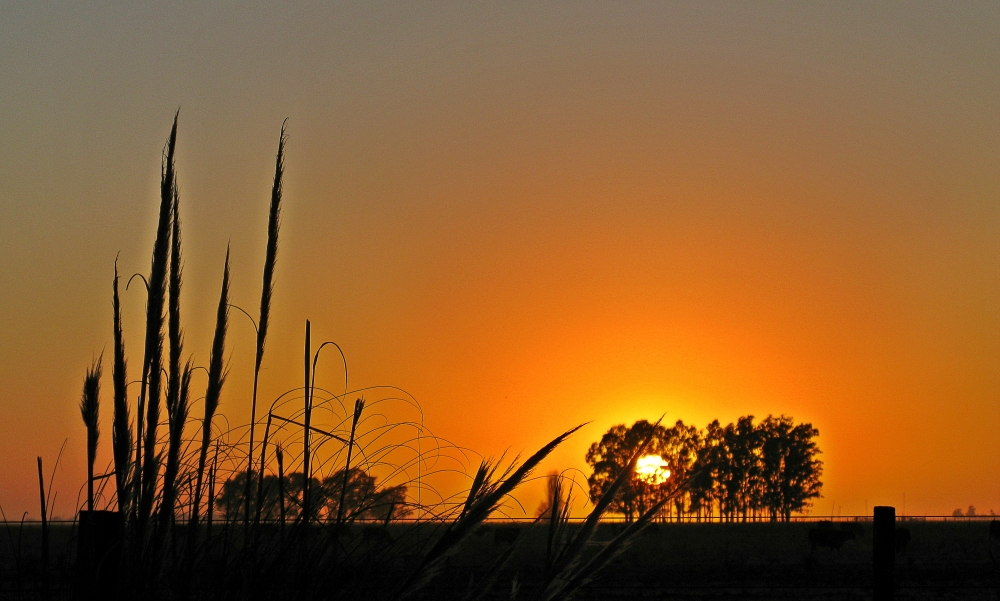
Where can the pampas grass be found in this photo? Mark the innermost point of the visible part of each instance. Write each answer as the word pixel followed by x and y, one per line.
pixel 153 358
pixel 267 291
pixel 90 408
pixel 121 432
pixel 216 379
pixel 481 503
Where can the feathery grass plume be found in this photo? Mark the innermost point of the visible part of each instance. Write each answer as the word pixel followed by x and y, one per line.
pixel 280 456
pixel 153 358
pixel 487 499
pixel 177 414
pixel 477 484
pixel 90 407
pixel 359 406
pixel 176 336
pixel 216 379
pixel 563 586
pixel 176 407
pixel 267 290
pixel 121 432
pixel 586 531
pixel 558 514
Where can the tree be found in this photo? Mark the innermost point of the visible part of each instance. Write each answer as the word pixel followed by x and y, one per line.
pixel 740 471
pixel 790 471
pixel 611 454
pixel 230 498
pixel 362 501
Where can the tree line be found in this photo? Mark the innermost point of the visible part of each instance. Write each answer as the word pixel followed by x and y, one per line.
pixel 282 497
pixel 737 472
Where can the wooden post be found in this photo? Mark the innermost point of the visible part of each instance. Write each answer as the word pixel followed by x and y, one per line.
pixel 883 553
pixel 99 554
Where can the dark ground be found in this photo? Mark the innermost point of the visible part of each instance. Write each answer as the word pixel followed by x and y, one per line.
pixel 944 560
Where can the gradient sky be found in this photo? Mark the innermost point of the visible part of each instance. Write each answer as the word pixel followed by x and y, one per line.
pixel 530 216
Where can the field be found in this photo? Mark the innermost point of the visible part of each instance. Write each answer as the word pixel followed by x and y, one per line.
pixel 944 560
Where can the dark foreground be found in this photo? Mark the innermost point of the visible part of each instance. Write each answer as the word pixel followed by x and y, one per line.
pixel 943 560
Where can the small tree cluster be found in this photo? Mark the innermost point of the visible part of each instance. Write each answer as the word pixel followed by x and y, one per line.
pixel 363 500
pixel 737 472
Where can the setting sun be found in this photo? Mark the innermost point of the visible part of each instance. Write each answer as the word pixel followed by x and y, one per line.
pixel 652 469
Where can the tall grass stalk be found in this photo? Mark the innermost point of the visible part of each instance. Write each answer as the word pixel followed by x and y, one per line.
pixel 45 520
pixel 121 432
pixel 210 511
pixel 280 456
pixel 176 418
pixel 359 406
pixel 176 404
pixel 565 585
pixel 263 461
pixel 153 358
pixel 589 526
pixel 90 408
pixel 484 503
pixel 267 291
pixel 216 379
pixel 306 467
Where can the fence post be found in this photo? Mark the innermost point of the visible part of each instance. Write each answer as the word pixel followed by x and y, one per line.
pixel 883 552
pixel 99 554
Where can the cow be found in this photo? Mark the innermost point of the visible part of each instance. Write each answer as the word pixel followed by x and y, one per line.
pixel 505 534
pixel 902 540
pixel 828 537
pixel 377 536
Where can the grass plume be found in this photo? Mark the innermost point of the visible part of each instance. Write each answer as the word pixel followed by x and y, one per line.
pixel 121 431
pixel 267 291
pixel 216 379
pixel 478 508
pixel 153 358
pixel 90 408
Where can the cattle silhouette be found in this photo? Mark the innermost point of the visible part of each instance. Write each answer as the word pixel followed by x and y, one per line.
pixel 505 534
pixel 902 540
pixel 377 536
pixel 825 535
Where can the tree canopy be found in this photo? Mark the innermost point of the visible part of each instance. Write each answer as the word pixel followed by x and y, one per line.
pixel 738 471
pixel 363 500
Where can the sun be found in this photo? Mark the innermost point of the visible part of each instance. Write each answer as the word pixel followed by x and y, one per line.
pixel 652 469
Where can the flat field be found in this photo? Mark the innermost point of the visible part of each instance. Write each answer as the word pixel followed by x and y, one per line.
pixel 756 561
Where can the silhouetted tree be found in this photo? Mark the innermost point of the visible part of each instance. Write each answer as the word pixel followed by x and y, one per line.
pixel 739 471
pixel 611 454
pixel 362 501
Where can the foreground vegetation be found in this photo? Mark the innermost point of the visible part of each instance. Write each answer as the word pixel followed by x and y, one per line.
pixel 303 502
pixel 944 560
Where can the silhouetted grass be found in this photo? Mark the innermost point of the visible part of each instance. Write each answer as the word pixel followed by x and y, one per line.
pixel 90 407
pixel 343 475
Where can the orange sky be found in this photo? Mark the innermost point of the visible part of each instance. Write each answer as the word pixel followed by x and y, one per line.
pixel 531 217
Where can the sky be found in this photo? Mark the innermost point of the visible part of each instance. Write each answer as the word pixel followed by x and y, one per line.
pixel 529 216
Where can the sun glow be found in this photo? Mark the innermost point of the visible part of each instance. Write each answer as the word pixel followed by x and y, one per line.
pixel 652 469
